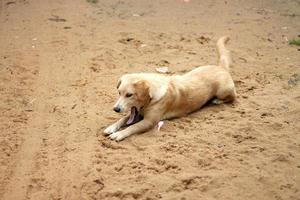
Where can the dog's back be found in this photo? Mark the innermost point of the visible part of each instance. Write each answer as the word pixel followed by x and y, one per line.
pixel 192 90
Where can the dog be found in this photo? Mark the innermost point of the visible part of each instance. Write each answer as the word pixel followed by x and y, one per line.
pixel 149 97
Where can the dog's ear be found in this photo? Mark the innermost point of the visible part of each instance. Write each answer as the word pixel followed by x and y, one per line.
pixel 141 85
pixel 143 89
pixel 119 83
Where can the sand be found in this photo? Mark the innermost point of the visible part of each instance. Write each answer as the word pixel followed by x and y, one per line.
pixel 60 62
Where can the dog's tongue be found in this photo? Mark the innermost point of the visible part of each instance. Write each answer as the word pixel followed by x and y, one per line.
pixel 132 116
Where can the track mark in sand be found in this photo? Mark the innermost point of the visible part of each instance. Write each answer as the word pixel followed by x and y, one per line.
pixel 38 184
pixel 106 59
pixel 200 183
pixel 27 160
pixel 176 148
pixel 23 70
pixel 56 18
pixel 108 144
pixel 119 194
pixel 16 107
pixel 92 188
pixel 204 163
pixel 240 138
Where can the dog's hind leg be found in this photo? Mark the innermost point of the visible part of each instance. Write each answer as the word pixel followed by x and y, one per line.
pixel 225 95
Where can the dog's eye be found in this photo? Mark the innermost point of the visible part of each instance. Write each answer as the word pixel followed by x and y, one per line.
pixel 128 95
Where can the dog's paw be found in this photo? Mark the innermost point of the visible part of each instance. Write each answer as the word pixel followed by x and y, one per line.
pixel 111 129
pixel 117 136
pixel 217 101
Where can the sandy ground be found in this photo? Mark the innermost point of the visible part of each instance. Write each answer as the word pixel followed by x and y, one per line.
pixel 60 61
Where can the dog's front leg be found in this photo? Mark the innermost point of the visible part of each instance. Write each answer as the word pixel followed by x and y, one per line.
pixel 139 127
pixel 116 126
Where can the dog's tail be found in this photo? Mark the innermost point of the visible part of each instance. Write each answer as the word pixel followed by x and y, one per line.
pixel 224 54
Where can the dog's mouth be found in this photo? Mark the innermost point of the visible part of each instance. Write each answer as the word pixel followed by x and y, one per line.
pixel 134 116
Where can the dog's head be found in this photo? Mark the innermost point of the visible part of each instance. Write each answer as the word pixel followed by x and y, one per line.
pixel 134 95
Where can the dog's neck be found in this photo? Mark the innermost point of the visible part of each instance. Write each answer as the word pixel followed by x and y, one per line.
pixel 158 90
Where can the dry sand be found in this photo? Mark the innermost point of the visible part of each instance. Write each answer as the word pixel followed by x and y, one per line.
pixel 60 61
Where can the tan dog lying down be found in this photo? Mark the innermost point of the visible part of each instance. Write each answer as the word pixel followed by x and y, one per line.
pixel 153 97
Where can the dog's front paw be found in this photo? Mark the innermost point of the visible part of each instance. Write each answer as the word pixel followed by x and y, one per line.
pixel 117 136
pixel 111 129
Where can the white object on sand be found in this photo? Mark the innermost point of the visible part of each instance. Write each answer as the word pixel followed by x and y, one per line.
pixel 159 125
pixel 162 69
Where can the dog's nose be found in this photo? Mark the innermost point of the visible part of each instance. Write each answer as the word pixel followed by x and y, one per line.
pixel 117 109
